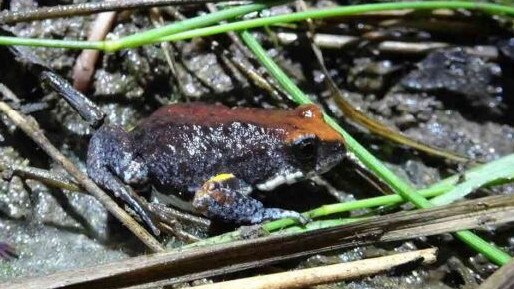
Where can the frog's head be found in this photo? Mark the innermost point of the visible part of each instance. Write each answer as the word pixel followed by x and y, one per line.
pixel 314 144
pixel 315 155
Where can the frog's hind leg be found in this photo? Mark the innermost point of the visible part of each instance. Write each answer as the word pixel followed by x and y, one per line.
pixel 111 160
pixel 7 252
pixel 226 197
pixel 110 182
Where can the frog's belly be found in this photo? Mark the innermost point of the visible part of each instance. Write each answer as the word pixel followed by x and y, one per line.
pixel 280 179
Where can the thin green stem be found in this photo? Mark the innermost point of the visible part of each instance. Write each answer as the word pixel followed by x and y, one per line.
pixel 151 35
pixel 338 208
pixel 53 43
pixel 434 190
pixel 400 187
pixel 190 28
pixel 318 225
pixel 493 253
pixel 141 38
pixel 337 12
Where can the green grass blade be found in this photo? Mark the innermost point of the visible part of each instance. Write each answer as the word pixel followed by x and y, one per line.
pixel 497 172
pixel 492 252
pixel 338 12
pixel 371 162
pixel 501 169
pixel 318 225
pixel 151 35
pixel 327 210
pixel 190 28
pixel 53 43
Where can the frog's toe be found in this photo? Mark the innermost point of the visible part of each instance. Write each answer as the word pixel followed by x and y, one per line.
pixel 7 252
pixel 269 214
pixel 301 219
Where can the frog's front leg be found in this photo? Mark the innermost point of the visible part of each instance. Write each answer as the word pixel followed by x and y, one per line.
pixel 226 197
pixel 6 251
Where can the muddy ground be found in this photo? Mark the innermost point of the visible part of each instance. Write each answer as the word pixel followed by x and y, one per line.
pixel 459 98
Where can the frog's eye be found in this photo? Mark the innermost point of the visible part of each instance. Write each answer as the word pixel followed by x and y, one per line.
pixel 311 111
pixel 304 147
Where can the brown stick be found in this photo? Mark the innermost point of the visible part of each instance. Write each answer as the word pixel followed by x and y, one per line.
pixel 185 265
pixel 333 41
pixel 326 274
pixel 37 135
pixel 85 65
pixel 86 9
pixel 44 176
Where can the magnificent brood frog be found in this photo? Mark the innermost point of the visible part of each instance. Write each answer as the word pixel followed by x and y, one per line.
pixel 217 155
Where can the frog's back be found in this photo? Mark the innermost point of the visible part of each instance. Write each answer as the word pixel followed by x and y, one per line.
pixel 306 119
pixel 186 144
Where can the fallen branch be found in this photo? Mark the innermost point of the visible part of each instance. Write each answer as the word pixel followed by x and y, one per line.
pixel 84 67
pixel 162 269
pixel 327 274
pixel 44 176
pixel 8 17
pixel 488 52
pixel 37 135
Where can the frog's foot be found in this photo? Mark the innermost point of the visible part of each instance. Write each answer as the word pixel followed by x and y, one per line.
pixel 169 219
pixel 128 196
pixel 7 252
pixel 226 197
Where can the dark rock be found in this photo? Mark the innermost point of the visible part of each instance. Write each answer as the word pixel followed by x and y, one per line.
pixel 459 80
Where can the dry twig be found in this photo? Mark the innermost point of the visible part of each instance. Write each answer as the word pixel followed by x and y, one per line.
pixel 8 17
pixel 215 260
pixel 334 41
pixel 415 48
pixel 327 274
pixel 44 176
pixel 37 135
pixel 85 65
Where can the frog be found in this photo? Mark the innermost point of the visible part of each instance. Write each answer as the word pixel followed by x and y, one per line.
pixel 215 155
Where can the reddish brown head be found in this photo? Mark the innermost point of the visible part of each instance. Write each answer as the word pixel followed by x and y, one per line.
pixel 304 120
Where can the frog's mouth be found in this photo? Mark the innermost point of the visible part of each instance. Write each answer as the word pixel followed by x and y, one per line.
pixel 328 156
pixel 281 179
pixel 326 166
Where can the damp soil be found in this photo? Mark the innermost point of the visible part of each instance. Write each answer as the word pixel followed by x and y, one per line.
pixel 459 97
